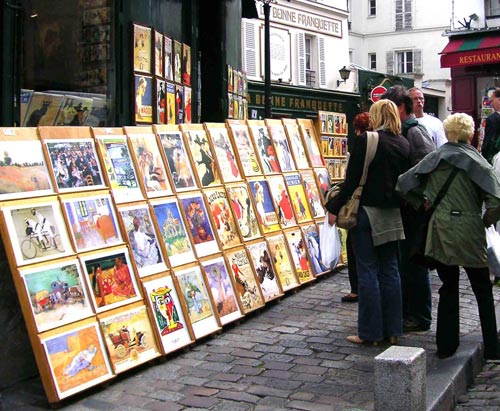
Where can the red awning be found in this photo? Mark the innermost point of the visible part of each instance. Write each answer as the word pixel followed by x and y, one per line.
pixel 471 50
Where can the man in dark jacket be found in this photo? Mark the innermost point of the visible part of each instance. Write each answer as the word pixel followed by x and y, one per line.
pixel 415 280
pixel 491 141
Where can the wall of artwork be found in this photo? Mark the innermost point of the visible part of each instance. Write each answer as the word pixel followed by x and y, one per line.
pixel 127 244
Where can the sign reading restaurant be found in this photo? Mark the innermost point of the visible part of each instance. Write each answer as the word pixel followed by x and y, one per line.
pixel 304 20
pixel 472 57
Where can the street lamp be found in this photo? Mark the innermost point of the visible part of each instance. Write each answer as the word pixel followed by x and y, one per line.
pixel 344 75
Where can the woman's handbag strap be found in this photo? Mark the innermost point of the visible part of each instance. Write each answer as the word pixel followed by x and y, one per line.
pixel 371 148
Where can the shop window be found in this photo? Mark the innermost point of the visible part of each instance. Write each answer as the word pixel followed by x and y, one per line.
pixel 404 17
pixel 372 61
pixel 372 8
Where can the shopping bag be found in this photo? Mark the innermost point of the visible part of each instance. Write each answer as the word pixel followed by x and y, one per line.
pixel 493 247
pixel 348 213
pixel 329 243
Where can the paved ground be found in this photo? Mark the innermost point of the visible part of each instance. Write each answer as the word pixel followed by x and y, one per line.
pixel 291 355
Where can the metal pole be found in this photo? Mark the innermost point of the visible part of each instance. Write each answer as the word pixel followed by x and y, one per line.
pixel 267 61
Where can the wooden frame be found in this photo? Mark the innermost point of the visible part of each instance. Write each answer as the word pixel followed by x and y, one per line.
pixel 160 101
pixel 142 48
pixel 281 145
pixel 311 142
pixel 247 157
pixel 143 98
pixel 281 200
pixel 313 195
pixel 298 252
pixel 264 204
pixel 298 197
pixel 282 260
pixel 264 147
pixel 296 143
pixel 243 210
pixel 177 61
pixel 311 238
pixel 324 182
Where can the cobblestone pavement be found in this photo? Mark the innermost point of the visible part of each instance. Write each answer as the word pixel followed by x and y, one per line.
pixel 290 355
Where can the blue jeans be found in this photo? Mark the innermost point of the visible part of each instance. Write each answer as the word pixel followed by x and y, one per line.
pixel 379 286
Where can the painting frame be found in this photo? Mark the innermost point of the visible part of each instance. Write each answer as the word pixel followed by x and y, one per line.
pixel 249 162
pixel 298 252
pixel 311 237
pixel 281 145
pixel 264 147
pixel 298 197
pixel 311 142
pixel 243 209
pixel 264 204
pixel 283 264
pixel 281 200
pixel 142 46
pixel 296 144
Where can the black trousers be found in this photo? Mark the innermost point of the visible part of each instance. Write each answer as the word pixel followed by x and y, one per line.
pixel 351 266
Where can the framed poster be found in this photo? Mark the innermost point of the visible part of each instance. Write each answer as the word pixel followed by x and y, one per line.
pixel 43 109
pixel 110 278
pixel 149 162
pixel 264 270
pixel 168 55
pixel 264 147
pixel 221 286
pixel 198 223
pixel 311 237
pixel 282 261
pixel 91 221
pixel 76 357
pixel 118 164
pixel 159 50
pixel 170 108
pixel 142 238
pixel 298 197
pixel 23 171
pixel 166 308
pixel 142 48
pixel 224 152
pixel 56 293
pixel 298 251
pixel 74 111
pixel 179 104
pixel 264 205
pixel 324 182
pixel 143 94
pixel 129 337
pixel 186 65
pixel 246 151
pixel 244 280
pixel 177 62
pixel 282 202
pixel 36 230
pixel 296 144
pixel 311 144
pixel 281 145
pixel 313 195
pixel 187 105
pixel 160 102
pixel 195 294
pixel 244 212
pixel 176 157
pixel 174 235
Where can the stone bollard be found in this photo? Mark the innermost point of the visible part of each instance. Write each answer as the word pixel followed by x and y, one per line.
pixel 400 374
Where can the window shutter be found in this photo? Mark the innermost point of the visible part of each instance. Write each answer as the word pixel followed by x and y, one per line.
pixel 249 39
pixel 321 62
pixel 408 23
pixel 417 60
pixel 301 59
pixel 390 62
pixel 399 15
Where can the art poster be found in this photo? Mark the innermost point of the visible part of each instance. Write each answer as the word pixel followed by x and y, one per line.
pixel 203 157
pixel 264 205
pixel 177 62
pixel 161 102
pixel 324 182
pixel 159 50
pixel 225 154
pixel 186 65
pixel 170 110
pixel 282 202
pixel 313 195
pixel 221 286
pixel 179 104
pixel 168 55
pixel 298 251
pixel 162 298
pixel 265 149
pixel 110 278
pixel 187 105
pixel 173 231
pixel 142 239
pixel 119 167
pixel 296 145
pixel 244 212
pixel 264 270
pixel 23 170
pixel 246 151
pixel 196 297
pixel 198 224
pixel 298 198
pixel 224 223
pixel 57 294
pixel 143 86
pixel 92 222
pixel 282 148
pixel 74 111
pixel 282 261
pixel 77 359
pixel 312 147
pixel 244 280
pixel 75 164
pixel 129 338
pixel 150 165
pixel 142 49
pixel 311 237
pixel 177 160
pixel 43 109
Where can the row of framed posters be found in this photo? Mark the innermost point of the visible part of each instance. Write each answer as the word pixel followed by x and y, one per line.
pixel 126 244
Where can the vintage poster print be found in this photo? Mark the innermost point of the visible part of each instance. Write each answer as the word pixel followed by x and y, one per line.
pixel 57 294
pixel 159 58
pixel 221 286
pixel 110 279
pixel 225 154
pixel 173 231
pixel 264 270
pixel 312 147
pixel 224 223
pixel 119 168
pixel 162 298
pixel 198 223
pixel 265 149
pixel 129 338
pixel 179 104
pixel 168 55
pixel 142 49
pixel 282 148
pixel 298 251
pixel 43 109
pixel 142 238
pixel 311 237
pixel 245 283
pixel 23 170
pixel 177 62
pixel 74 164
pixel 161 102
pixel 264 205
pixel 324 182
pixel 187 105
pixel 282 201
pixel 241 204
pixel 194 291
pixel 150 164
pixel 246 151
pixel 313 195
pixel 177 160
pixel 203 157
pixel 282 262
pixel 186 64
pixel 170 109
pixel 92 222
pixel 298 151
pixel 74 111
pixel 298 197
pixel 37 232
pixel 143 86
pixel 77 359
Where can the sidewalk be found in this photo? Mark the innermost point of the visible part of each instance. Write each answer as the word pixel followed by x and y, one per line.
pixel 290 355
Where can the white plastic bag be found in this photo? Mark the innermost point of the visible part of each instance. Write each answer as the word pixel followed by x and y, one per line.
pixel 329 242
pixel 493 246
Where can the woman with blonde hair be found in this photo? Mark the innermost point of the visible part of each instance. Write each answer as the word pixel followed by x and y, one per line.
pixel 456 235
pixel 379 226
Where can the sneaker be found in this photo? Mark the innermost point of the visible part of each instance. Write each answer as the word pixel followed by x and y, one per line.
pixel 412 326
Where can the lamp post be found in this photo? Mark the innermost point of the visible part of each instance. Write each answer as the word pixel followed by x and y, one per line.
pixel 266 4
